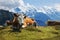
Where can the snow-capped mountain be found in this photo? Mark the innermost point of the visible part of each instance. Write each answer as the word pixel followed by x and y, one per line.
pixel 42 16
pixel 52 13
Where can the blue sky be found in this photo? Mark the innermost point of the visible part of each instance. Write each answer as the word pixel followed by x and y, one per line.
pixel 39 3
pixel 22 4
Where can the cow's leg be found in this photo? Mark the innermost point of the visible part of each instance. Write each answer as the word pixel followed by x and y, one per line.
pixel 24 25
pixel 35 25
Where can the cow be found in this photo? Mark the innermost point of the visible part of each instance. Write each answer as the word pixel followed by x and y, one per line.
pixel 16 26
pixel 28 21
pixel 53 23
pixel 25 22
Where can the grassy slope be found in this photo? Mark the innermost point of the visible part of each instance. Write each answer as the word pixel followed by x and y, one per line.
pixel 41 33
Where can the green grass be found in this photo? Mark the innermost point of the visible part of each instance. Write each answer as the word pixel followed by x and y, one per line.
pixel 30 33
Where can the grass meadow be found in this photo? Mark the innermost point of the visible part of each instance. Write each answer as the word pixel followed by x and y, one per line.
pixel 31 33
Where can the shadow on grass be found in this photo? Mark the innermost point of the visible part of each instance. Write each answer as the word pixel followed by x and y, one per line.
pixel 3 32
pixel 33 29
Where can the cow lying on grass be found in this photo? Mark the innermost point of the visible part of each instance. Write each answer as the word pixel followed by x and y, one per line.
pixel 28 21
pixel 53 23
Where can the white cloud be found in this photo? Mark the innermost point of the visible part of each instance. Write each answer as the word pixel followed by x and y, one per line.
pixel 27 6
pixel 9 4
pixel 57 7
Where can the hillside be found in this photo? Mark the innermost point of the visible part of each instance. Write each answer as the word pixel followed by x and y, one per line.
pixel 30 33
pixel 4 16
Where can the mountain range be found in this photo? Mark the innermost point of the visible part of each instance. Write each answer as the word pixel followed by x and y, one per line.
pixel 42 15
